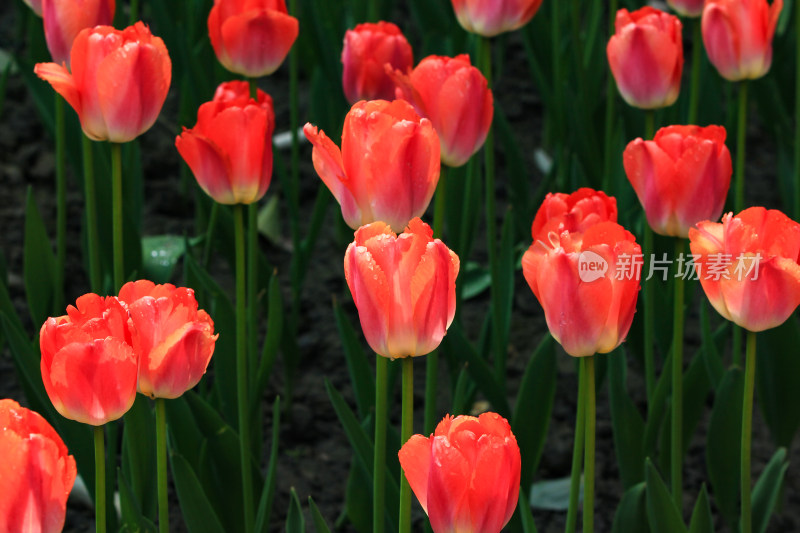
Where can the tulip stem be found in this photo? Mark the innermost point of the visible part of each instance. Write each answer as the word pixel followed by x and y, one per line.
pixel 738 203
pixel 577 453
pixel 676 462
pixel 134 12
pixel 610 117
pixel 797 117
pixel 406 429
pixel 61 205
pixel 694 95
pixel 161 462
pixel 650 124
pixel 90 199
pixel 116 202
pixel 212 223
pixel 99 480
pixel 747 425
pixel 379 459
pixel 432 360
pixel 588 466
pixel 649 300
pixel 241 368
pixel 252 281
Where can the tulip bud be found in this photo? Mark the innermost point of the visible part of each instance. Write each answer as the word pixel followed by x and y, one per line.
pixel 367 49
pixel 64 19
pixel 490 18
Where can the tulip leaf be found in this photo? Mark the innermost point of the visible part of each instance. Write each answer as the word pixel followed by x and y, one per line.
pixel 528 525
pixel 702 521
pixel 268 492
pixel 295 523
pixel 631 515
pixel 777 368
pixel 767 490
pixel 139 455
pixel 723 444
pixel 551 494
pixel 319 522
pixel 475 279
pixel 131 513
pixel 662 514
pixel 183 431
pixel 696 387
pixel 273 339
pixel 358 499
pixel 195 506
pixel 38 265
pixel 502 298
pixel 626 422
pixel 658 407
pixel 160 254
pixel 534 406
pixel 711 356
pixel 357 365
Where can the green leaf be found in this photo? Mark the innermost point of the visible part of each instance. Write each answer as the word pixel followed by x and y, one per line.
pixel 631 514
pixel 295 523
pixel 273 339
pixel 723 444
pixel 696 387
pixel 38 265
pixel 702 521
pixel 551 494
pixel 528 525
pixel 768 490
pixel 711 356
pixel 160 254
pixel 358 499
pixel 132 518
pixel 357 365
pixel 626 422
pixel 268 492
pixel 776 370
pixel 139 455
pixel 658 407
pixel 319 522
pixel 475 278
pixel 196 508
pixel 662 514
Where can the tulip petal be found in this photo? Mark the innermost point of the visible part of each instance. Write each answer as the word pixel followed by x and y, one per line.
pixel 209 166
pixel 256 42
pixel 62 81
pixel 415 459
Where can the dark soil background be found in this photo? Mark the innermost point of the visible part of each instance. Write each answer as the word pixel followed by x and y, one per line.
pixel 315 456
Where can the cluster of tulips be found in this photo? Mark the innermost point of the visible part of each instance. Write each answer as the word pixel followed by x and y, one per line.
pixel 406 121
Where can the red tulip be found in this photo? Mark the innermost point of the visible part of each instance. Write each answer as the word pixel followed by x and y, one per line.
pixel 572 212
pixel 456 98
pixel 64 19
pixel 88 365
pixel 403 286
pixel 388 166
pixel 587 284
pixel 251 37
pixel 119 81
pixel 230 148
pixel 36 472
pixel 173 340
pixel 748 267
pixel 367 48
pixel 687 8
pixel 466 475
pixel 681 177
pixel 493 17
pixel 646 57
pixel 738 36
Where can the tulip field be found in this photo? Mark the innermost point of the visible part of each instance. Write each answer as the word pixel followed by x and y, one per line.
pixel 399 265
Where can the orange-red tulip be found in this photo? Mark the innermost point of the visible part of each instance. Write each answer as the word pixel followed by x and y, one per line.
pixel 456 98
pixel 587 284
pixel 738 35
pixel 493 17
pixel 646 57
pixel 36 472
pixel 88 365
pixel 403 286
pixel 230 148
pixel 64 19
pixel 572 212
pixel 388 166
pixel 251 37
pixel 367 48
pixel 173 340
pixel 748 267
pixel 119 81
pixel 687 8
pixel 466 475
pixel 681 177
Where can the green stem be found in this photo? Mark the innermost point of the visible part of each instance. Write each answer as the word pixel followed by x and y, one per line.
pixel 741 138
pixel 610 117
pixel 577 453
pixel 649 124
pixel 241 367
pixel 432 359
pixel 99 480
pixel 694 94
pixel 406 429
pixel 372 10
pixel 747 425
pixel 161 462
pixel 61 205
pixel 649 316
pixel 252 281
pixel 253 84
pixel 212 222
pixel 134 12
pixel 294 120
pixel 116 203
pixel 797 117
pixel 379 460
pixel 558 84
pixel 588 467
pixel 676 460
pixel 90 199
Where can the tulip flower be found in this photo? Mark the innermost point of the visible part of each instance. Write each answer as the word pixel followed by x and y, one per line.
pixel 388 166
pixel 687 8
pixel 747 265
pixel 493 18
pixel 251 37
pixel 646 57
pixel 681 177
pixel 403 286
pixel 466 475
pixel 88 365
pixel 455 96
pixel 173 340
pixel 572 212
pixel 587 284
pixel 36 472
pixel 367 49
pixel 738 36
pixel 230 148
pixel 64 19
pixel 118 83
